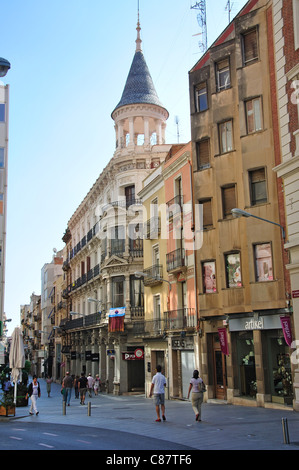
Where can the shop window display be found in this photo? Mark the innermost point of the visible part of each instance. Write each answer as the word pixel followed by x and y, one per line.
pixel 246 361
pixel 280 365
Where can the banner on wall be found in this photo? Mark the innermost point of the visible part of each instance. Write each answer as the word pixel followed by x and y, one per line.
pixel 286 328
pixel 116 319
pixel 223 340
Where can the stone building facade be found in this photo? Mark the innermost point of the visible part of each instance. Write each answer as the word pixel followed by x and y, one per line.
pixel 244 356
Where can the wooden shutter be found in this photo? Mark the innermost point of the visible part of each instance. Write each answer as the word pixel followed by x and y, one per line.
pixel 250 46
pixel 207 213
pixel 229 200
pixel 257 175
pixel 203 154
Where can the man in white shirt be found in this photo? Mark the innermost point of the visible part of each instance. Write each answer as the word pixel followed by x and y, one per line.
pixel 158 385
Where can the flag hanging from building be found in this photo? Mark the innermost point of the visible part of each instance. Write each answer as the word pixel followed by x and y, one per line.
pixel 116 319
pixel 287 330
pixel 223 340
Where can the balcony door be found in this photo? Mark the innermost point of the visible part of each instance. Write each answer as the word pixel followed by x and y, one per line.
pixel 130 195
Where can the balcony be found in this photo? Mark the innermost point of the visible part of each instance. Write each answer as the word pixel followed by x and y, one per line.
pixel 153 275
pixel 152 228
pixel 149 328
pixel 117 247
pixel 175 261
pixel 181 319
pixel 175 204
pixel 136 247
pixel 122 203
pixel 86 321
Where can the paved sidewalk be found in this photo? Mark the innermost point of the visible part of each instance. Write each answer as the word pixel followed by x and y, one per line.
pixel 223 427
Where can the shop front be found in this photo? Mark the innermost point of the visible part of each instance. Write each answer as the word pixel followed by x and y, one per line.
pixel 261 358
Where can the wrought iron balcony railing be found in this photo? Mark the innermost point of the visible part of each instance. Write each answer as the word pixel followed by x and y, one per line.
pixel 175 259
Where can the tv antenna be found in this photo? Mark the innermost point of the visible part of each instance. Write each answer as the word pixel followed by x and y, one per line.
pixel 177 126
pixel 228 8
pixel 202 21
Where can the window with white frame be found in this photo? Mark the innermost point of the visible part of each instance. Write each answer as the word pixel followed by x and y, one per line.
pixel 201 97
pixel 223 75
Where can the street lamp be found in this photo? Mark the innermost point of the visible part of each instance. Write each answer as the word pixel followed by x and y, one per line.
pixel 4 67
pixel 158 278
pixel 240 213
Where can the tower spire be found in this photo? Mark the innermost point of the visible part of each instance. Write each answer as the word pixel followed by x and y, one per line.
pixel 138 40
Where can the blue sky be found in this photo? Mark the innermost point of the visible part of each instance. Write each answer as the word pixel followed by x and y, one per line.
pixel 69 63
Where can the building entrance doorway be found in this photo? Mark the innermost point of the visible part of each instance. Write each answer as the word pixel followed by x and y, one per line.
pixel 219 363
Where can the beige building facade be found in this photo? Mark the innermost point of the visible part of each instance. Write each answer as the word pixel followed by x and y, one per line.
pixel 286 47
pixel 240 283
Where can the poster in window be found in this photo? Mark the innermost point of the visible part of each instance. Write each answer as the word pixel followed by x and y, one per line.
pixel 263 257
pixel 233 268
pixel 209 277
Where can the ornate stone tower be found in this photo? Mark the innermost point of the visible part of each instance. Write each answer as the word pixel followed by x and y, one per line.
pixel 140 118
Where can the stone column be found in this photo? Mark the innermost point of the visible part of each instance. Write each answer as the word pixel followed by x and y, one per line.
pixel 131 131
pixel 261 397
pixel 146 132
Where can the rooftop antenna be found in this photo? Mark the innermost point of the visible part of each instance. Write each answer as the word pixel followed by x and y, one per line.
pixel 202 21
pixel 177 126
pixel 229 7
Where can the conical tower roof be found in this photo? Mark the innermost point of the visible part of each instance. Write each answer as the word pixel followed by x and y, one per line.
pixel 139 87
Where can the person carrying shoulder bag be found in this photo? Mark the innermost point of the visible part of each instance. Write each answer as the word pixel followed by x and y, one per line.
pixel 198 388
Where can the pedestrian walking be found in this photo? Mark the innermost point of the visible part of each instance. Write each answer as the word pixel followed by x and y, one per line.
pixel 97 384
pixel 49 381
pixel 67 385
pixel 82 387
pixel 34 394
pixel 197 387
pixel 90 383
pixel 158 386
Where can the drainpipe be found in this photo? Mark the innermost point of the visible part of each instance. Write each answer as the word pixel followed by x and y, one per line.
pixel 194 252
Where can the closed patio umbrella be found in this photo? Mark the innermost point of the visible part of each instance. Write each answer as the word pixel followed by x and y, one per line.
pixel 16 358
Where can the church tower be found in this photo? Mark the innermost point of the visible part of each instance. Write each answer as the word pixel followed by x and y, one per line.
pixel 140 118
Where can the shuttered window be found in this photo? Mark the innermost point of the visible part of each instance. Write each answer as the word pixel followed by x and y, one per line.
pixel 228 200
pixel 207 217
pixel 250 47
pixel 203 154
pixel 258 186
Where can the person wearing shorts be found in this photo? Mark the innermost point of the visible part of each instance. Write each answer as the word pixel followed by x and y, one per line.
pixel 82 387
pixel 158 386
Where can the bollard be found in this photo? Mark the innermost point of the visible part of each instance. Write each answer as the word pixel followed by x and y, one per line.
pixel 89 408
pixel 64 408
pixel 285 431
